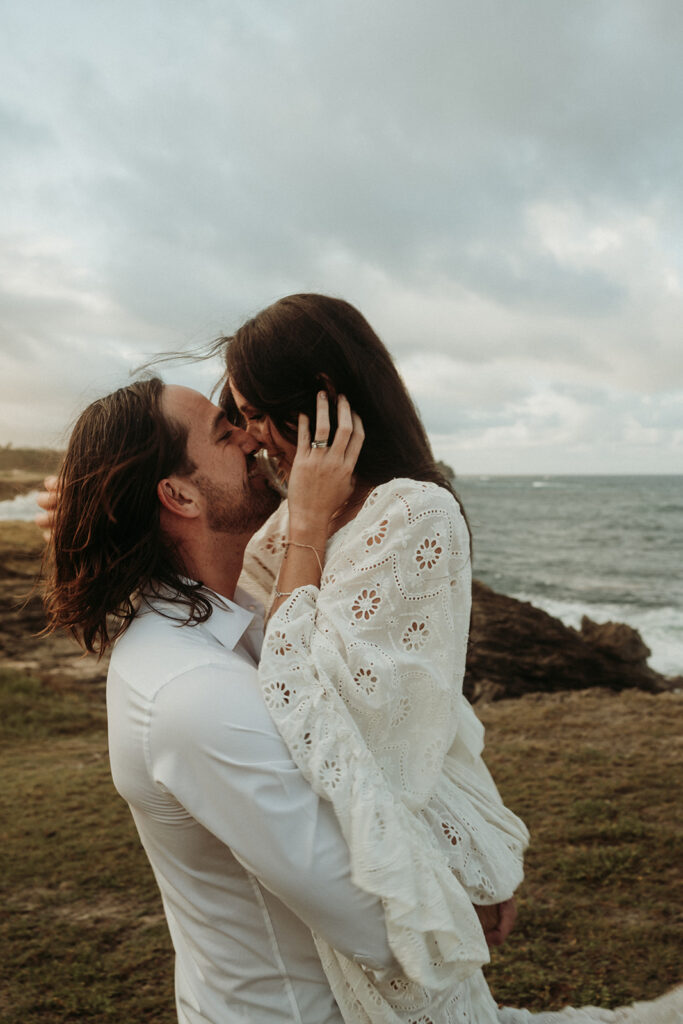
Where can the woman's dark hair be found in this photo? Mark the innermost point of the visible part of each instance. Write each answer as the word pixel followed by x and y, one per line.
pixel 301 344
pixel 106 543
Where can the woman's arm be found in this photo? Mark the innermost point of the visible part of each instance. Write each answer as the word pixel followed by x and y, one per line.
pixel 359 679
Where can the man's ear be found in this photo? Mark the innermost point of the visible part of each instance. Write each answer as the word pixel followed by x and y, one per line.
pixel 179 496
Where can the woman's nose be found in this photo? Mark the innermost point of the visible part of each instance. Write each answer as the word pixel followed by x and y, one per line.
pixel 256 429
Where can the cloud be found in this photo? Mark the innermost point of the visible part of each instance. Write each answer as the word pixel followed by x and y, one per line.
pixel 494 185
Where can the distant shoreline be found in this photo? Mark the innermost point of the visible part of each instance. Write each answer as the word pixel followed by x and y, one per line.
pixel 47 460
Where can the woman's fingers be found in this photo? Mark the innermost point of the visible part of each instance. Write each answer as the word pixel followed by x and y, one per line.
pixel 303 440
pixel 355 444
pixel 45 520
pixel 497 920
pixel 322 477
pixel 48 499
pixel 322 417
pixel 348 437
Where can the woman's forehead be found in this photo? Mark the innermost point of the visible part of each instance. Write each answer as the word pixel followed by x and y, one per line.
pixel 239 399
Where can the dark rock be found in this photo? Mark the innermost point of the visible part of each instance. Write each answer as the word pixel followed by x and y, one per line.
pixel 617 639
pixel 444 468
pixel 516 648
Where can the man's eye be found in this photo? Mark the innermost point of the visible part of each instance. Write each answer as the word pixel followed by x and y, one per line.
pixel 225 436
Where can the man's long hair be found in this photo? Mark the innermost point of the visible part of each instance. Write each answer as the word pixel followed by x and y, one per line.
pixel 107 545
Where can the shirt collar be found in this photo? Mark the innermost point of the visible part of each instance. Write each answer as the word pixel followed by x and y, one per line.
pixel 228 622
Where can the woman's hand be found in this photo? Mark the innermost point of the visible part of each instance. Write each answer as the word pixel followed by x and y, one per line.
pixel 320 482
pixel 497 920
pixel 322 476
pixel 48 500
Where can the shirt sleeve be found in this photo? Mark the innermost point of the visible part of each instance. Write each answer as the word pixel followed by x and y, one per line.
pixel 363 679
pixel 213 746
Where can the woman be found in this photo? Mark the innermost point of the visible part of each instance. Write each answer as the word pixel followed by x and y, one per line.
pixel 362 669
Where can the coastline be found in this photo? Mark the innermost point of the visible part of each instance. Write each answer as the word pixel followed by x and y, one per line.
pixel 518 645
pixel 515 648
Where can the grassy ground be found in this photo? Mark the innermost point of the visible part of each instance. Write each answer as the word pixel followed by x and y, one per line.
pixel 83 936
pixel 21 548
pixel 597 778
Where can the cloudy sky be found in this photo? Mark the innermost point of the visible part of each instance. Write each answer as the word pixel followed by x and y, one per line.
pixel 496 184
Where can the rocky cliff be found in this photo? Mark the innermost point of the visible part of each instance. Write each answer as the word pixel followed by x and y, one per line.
pixel 516 648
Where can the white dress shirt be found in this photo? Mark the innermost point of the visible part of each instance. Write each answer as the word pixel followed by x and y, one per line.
pixel 248 859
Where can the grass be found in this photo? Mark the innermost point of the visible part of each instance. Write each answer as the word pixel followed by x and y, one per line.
pixel 83 935
pixel 29 460
pixel 21 547
pixel 594 775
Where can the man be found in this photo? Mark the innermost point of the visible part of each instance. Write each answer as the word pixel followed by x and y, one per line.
pixel 157 491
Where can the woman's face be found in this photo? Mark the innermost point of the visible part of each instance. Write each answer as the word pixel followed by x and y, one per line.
pixel 263 430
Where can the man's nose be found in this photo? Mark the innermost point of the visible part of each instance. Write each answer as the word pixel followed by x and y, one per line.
pixel 244 440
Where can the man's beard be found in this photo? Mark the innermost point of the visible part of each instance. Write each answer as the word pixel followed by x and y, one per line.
pixel 236 510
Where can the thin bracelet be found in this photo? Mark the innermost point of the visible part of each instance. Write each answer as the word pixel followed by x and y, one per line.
pixel 295 544
pixel 288 593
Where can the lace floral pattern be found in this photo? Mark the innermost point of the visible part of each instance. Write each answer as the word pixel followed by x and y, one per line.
pixel 366 604
pixel 428 553
pixel 366 680
pixel 451 833
pixel 363 680
pixel 377 534
pixel 278 643
pixel 275 543
pixel 277 695
pixel 416 636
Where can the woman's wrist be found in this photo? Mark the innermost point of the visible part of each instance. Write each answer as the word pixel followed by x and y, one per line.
pixel 318 552
pixel 315 534
pixel 302 565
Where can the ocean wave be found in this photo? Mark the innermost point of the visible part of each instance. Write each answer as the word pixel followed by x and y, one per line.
pixel 23 508
pixel 661 628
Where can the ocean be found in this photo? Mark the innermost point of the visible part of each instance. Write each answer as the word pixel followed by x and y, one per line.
pixel 609 547
pixel 22 508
